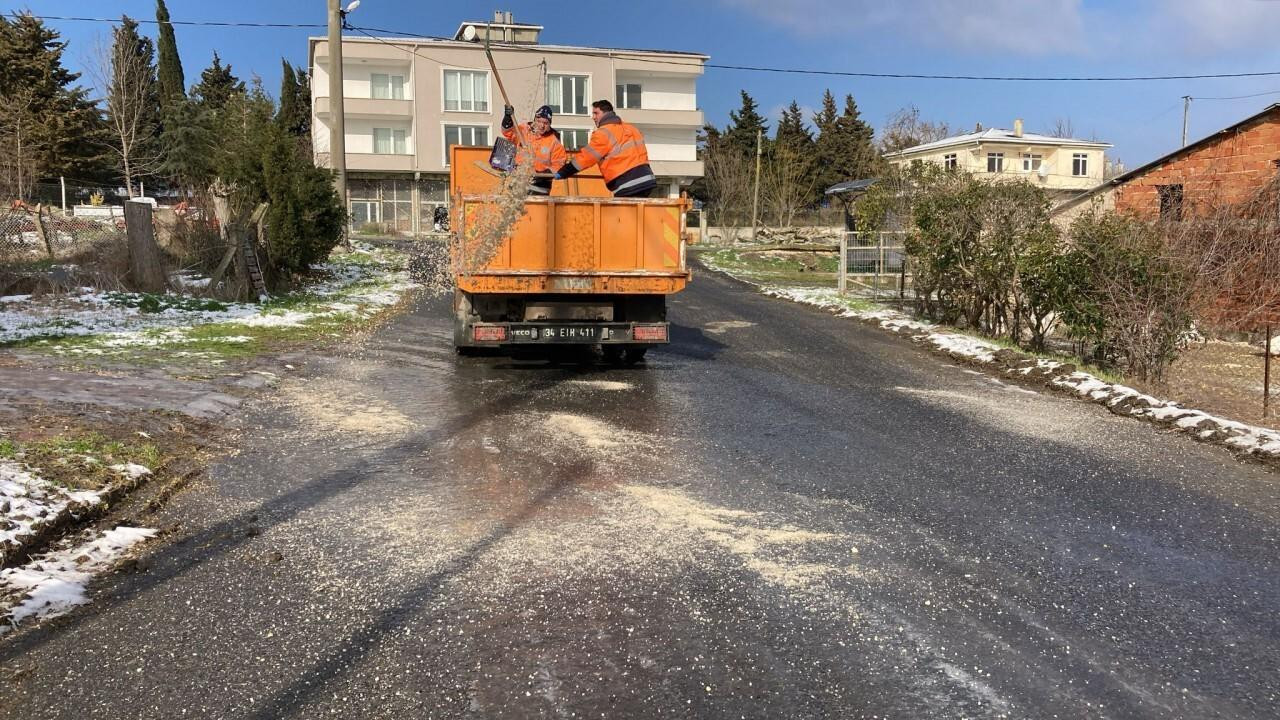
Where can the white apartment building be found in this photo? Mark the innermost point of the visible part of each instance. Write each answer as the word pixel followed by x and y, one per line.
pixel 1062 166
pixel 406 101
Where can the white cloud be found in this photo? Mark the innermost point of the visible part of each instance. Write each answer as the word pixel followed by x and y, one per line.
pixel 1027 27
pixel 1208 26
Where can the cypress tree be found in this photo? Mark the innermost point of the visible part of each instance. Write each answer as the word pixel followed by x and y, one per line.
pixel 172 85
pixel 290 114
pixel 217 85
pixel 744 125
pixel 844 144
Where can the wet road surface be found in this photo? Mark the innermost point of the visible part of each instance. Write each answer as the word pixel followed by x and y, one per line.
pixel 783 514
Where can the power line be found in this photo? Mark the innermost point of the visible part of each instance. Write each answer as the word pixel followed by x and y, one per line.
pixel 1237 97
pixel 722 66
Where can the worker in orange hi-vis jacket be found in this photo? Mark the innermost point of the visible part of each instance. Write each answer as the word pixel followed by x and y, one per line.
pixel 618 148
pixel 541 140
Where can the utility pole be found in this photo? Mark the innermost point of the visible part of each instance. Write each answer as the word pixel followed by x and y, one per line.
pixel 1186 111
pixel 337 114
pixel 755 202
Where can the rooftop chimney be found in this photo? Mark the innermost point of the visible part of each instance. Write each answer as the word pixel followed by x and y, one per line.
pixel 1017 128
pixel 977 127
pixel 499 16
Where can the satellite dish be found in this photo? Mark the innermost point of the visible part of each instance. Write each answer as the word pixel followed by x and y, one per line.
pixel 1044 170
pixel 469 33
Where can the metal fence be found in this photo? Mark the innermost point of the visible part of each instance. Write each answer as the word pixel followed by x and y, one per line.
pixel 26 235
pixel 875 264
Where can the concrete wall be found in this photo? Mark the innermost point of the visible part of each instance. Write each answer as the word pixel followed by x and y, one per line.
pixel 1226 169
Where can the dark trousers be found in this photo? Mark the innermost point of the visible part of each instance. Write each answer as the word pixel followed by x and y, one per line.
pixel 641 192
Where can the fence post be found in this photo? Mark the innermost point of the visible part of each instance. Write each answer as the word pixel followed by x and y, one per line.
pixel 843 265
pixel 145 267
pixel 880 264
pixel 41 231
pixel 63 182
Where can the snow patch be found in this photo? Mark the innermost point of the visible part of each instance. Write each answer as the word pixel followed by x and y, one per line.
pixel 53 583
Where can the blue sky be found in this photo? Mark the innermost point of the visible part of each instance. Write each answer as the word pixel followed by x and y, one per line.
pixel 991 37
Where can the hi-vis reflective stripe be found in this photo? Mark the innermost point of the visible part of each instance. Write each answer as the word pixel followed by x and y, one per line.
pixel 593 152
pixel 637 181
pixel 671 237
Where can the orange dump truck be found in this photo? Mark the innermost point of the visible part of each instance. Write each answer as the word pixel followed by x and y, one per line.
pixel 580 267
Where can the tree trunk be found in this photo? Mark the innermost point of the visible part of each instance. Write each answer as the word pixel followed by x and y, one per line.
pixel 145 267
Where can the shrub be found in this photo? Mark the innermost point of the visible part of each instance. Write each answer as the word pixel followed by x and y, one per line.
pixel 304 222
pixel 1127 290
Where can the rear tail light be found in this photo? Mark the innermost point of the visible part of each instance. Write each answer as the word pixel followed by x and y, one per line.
pixel 489 333
pixel 650 333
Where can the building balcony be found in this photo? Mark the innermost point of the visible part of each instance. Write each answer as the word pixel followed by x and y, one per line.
pixel 668 118
pixel 367 108
pixel 379 162
pixel 677 168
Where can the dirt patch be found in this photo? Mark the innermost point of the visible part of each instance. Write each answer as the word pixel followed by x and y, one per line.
pixel 1224 379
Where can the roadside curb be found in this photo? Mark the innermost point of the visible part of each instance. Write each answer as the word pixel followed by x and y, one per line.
pixel 1249 440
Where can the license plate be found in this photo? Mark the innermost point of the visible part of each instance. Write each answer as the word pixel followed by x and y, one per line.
pixel 567 333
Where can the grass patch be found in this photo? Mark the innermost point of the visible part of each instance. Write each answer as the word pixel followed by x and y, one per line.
pixel 793 269
pixel 82 461
pixel 155 303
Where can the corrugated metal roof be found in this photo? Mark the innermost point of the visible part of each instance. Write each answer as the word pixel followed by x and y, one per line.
pixel 996 135
pixel 849 186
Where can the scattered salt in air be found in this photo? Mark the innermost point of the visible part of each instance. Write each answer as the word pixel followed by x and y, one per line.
pixel 53 583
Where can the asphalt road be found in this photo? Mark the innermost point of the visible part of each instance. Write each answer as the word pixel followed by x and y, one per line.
pixel 783 514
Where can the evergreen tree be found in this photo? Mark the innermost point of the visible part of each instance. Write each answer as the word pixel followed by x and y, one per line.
pixel 844 146
pixel 791 175
pixel 188 140
pixel 293 115
pixel 744 124
pixel 217 85
pixel 172 85
pixel 862 160
pixel 48 125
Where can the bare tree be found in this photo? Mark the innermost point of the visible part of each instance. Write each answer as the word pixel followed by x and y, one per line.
pixel 729 176
pixel 905 129
pixel 1062 128
pixel 126 73
pixel 789 182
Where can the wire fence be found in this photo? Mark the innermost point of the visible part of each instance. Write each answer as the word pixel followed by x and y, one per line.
pixel 26 235
pixel 876 265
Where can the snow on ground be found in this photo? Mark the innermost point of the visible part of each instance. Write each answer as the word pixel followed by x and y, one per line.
pixel 121 320
pixel 1120 399
pixel 53 583
pixel 28 503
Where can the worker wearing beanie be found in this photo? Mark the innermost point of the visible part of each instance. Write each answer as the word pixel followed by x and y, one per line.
pixel 618 148
pixel 541 140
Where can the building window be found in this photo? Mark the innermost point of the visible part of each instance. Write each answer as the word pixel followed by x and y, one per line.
pixel 567 94
pixel 574 140
pixel 466 90
pixel 1170 202
pixel 995 162
pixel 1030 162
pixel 949 161
pixel 390 141
pixel 1079 164
pixel 386 87
pixel 467 135
pixel 628 97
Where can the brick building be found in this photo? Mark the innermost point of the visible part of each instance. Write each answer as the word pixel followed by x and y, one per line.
pixel 1224 167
